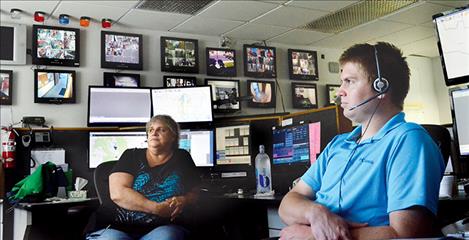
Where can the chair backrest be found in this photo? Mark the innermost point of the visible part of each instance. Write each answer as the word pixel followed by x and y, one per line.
pixel 101 180
pixel 441 137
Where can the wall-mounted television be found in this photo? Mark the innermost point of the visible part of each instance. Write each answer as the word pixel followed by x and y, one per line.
pixel 331 93
pixel 259 61
pixel 6 87
pixel 183 104
pixel 221 62
pixel 13 47
pixel 232 145
pixel 121 50
pixel 262 94
pixel 57 46
pixel 304 95
pixel 200 144
pixel 459 97
pixel 118 106
pixel 179 55
pixel 302 64
pixel 453 44
pixel 225 95
pixel 54 86
pixel 111 79
pixel 179 81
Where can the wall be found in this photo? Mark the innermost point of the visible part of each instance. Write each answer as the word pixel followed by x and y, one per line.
pixel 441 90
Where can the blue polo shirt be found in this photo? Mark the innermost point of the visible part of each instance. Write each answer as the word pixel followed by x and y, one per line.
pixel 399 167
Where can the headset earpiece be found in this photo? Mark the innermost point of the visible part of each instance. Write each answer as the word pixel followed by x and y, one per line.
pixel 381 85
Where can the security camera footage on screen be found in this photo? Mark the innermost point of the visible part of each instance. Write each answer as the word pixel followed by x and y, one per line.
pixel 122 49
pixel 4 86
pixel 54 85
pixel 179 53
pixel 59 44
pixel 225 94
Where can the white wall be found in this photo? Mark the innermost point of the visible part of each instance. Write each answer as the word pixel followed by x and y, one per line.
pixel 441 90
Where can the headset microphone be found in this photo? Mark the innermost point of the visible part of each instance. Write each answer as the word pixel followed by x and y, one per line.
pixel 366 101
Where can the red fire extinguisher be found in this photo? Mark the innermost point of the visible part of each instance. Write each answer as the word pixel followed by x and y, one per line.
pixel 8 149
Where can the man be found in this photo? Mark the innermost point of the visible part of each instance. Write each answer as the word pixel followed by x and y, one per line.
pixel 381 180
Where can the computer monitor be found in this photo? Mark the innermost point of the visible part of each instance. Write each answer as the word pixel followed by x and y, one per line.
pixel 118 106
pixel 179 55
pixel 200 144
pixel 232 145
pixel 459 99
pixel 13 47
pixel 54 86
pixel 6 87
pixel 225 95
pixel 111 79
pixel 108 146
pixel 121 50
pixel 453 44
pixel 183 104
pixel 56 46
pixel 291 144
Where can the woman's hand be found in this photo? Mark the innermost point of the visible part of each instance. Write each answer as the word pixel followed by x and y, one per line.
pixel 177 206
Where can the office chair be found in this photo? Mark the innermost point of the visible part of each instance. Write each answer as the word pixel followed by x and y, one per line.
pixel 442 139
pixel 101 180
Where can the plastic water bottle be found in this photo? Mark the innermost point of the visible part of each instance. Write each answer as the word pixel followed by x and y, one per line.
pixel 263 176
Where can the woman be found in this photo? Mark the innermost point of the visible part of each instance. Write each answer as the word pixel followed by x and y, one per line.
pixel 149 188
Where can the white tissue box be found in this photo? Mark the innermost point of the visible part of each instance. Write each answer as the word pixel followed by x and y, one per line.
pixel 77 194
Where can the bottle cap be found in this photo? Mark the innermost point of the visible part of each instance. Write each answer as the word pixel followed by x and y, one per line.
pixel 261 148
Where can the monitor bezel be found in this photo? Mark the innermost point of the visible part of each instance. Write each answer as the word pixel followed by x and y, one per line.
pixel 19 44
pixel 121 65
pixel 9 99
pixel 259 74
pixel 271 104
pixel 301 76
pixel 185 78
pixel 179 69
pixel 211 72
pixel 237 82
pixel 295 103
pixel 55 61
pixel 453 117
pixel 108 81
pixel 37 99
pixel 118 124
pixel 291 164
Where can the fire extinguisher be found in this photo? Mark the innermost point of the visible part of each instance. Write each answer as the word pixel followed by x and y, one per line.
pixel 8 149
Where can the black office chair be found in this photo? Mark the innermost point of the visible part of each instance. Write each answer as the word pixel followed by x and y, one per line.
pixel 441 137
pixel 101 180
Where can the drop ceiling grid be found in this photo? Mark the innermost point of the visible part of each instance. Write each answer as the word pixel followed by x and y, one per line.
pixel 93 11
pixel 300 37
pixel 418 15
pixel 252 31
pixel 290 17
pixel 237 10
pixel 29 7
pixel 330 6
pixel 150 20
pixel 207 26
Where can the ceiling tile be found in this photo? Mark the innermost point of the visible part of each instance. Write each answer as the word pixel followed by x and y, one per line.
pixel 290 17
pixel 160 21
pixel 77 9
pixel 299 37
pixel 375 29
pixel 118 4
pixel 330 6
pixel 237 10
pixel 421 13
pixel 29 7
pixel 407 36
pixel 252 31
pixel 425 47
pixel 274 1
pixel 457 3
pixel 207 26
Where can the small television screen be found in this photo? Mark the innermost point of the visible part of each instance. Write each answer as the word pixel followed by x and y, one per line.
pixel 121 50
pixel 459 99
pixel 118 106
pixel 262 93
pixel 184 104
pixel 13 47
pixel 453 44
pixel 121 79
pixel 54 86
pixel 6 87
pixel 259 62
pixel 179 81
pixel 109 146
pixel 302 64
pixel 291 144
pixel 56 46
pixel 232 145
pixel 179 55
pixel 304 95
pixel 331 92
pixel 221 62
pixel 200 144
pixel 225 95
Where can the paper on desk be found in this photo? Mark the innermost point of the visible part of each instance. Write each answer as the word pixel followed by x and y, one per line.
pixel 43 155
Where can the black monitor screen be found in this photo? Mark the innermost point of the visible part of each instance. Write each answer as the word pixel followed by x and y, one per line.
pixel 221 62
pixel 291 144
pixel 121 50
pixel 459 99
pixel 232 145
pixel 179 55
pixel 121 79
pixel 6 83
pixel 303 65
pixel 54 86
pixel 7 39
pixel 259 62
pixel 262 94
pixel 200 144
pixel 179 81
pixel 225 95
pixel 56 46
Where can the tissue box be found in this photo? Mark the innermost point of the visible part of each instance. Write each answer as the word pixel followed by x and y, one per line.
pixel 77 194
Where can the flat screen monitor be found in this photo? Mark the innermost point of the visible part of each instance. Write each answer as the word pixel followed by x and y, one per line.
pixel 179 81
pixel 225 95
pixel 262 94
pixel 291 144
pixel 6 87
pixel 54 86
pixel 459 100
pixel 109 146
pixel 331 93
pixel 121 79
pixel 232 145
pixel 118 106
pixel 200 144
pixel 302 64
pixel 184 104
pixel 121 50
pixel 57 46
pixel 13 47
pixel 453 31
pixel 221 62
pixel 304 95
pixel 259 61
pixel 179 55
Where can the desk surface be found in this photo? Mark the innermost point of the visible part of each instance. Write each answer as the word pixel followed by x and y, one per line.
pixel 63 202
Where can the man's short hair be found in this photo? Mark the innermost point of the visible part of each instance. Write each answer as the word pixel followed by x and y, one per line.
pixel 169 122
pixel 393 67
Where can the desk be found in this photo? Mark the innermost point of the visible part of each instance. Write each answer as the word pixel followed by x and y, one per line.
pixel 27 214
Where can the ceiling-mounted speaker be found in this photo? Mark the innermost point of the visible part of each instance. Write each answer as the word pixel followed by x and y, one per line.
pixel 333 67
